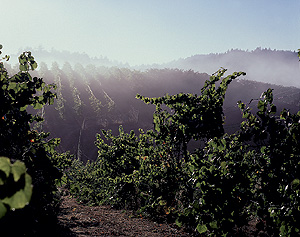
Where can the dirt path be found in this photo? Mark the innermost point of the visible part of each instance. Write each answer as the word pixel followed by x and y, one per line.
pixel 79 220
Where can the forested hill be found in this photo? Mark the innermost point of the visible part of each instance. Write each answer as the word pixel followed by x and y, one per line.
pixel 61 57
pixel 263 65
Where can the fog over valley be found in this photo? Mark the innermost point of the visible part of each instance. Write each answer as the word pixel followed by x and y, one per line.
pixel 279 67
pixel 97 93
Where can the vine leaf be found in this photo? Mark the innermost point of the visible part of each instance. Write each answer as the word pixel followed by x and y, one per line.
pixel 201 228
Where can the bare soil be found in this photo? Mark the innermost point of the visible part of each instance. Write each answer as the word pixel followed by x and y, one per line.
pixel 79 220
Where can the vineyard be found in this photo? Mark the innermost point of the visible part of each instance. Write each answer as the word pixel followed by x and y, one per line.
pixel 187 169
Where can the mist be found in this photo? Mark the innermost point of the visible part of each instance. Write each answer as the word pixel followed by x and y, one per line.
pixel 279 67
pixel 98 93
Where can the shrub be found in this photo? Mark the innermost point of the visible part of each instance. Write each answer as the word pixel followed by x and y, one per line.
pixel 215 189
pixel 21 143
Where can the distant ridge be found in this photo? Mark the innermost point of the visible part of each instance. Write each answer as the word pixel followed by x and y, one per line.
pixel 264 65
pixel 60 57
pixel 278 67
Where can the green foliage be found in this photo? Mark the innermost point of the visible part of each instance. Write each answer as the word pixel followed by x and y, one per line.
pixel 192 116
pixel 221 189
pixel 215 189
pixel 112 170
pixel 15 186
pixel 276 139
pixel 152 172
pixel 21 143
pixel 27 62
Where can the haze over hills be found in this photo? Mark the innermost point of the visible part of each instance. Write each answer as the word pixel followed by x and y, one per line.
pixel 60 57
pixel 97 93
pixel 278 67
pixel 264 65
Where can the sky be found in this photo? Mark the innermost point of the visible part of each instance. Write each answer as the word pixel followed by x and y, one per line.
pixel 146 32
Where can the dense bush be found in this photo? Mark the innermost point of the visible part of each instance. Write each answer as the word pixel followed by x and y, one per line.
pixel 216 189
pixel 22 144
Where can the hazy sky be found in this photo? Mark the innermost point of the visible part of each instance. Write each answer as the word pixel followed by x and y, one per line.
pixel 149 31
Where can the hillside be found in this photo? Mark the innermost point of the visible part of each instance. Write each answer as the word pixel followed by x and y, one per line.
pixel 263 65
pixel 94 95
pixel 93 98
pixel 280 67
